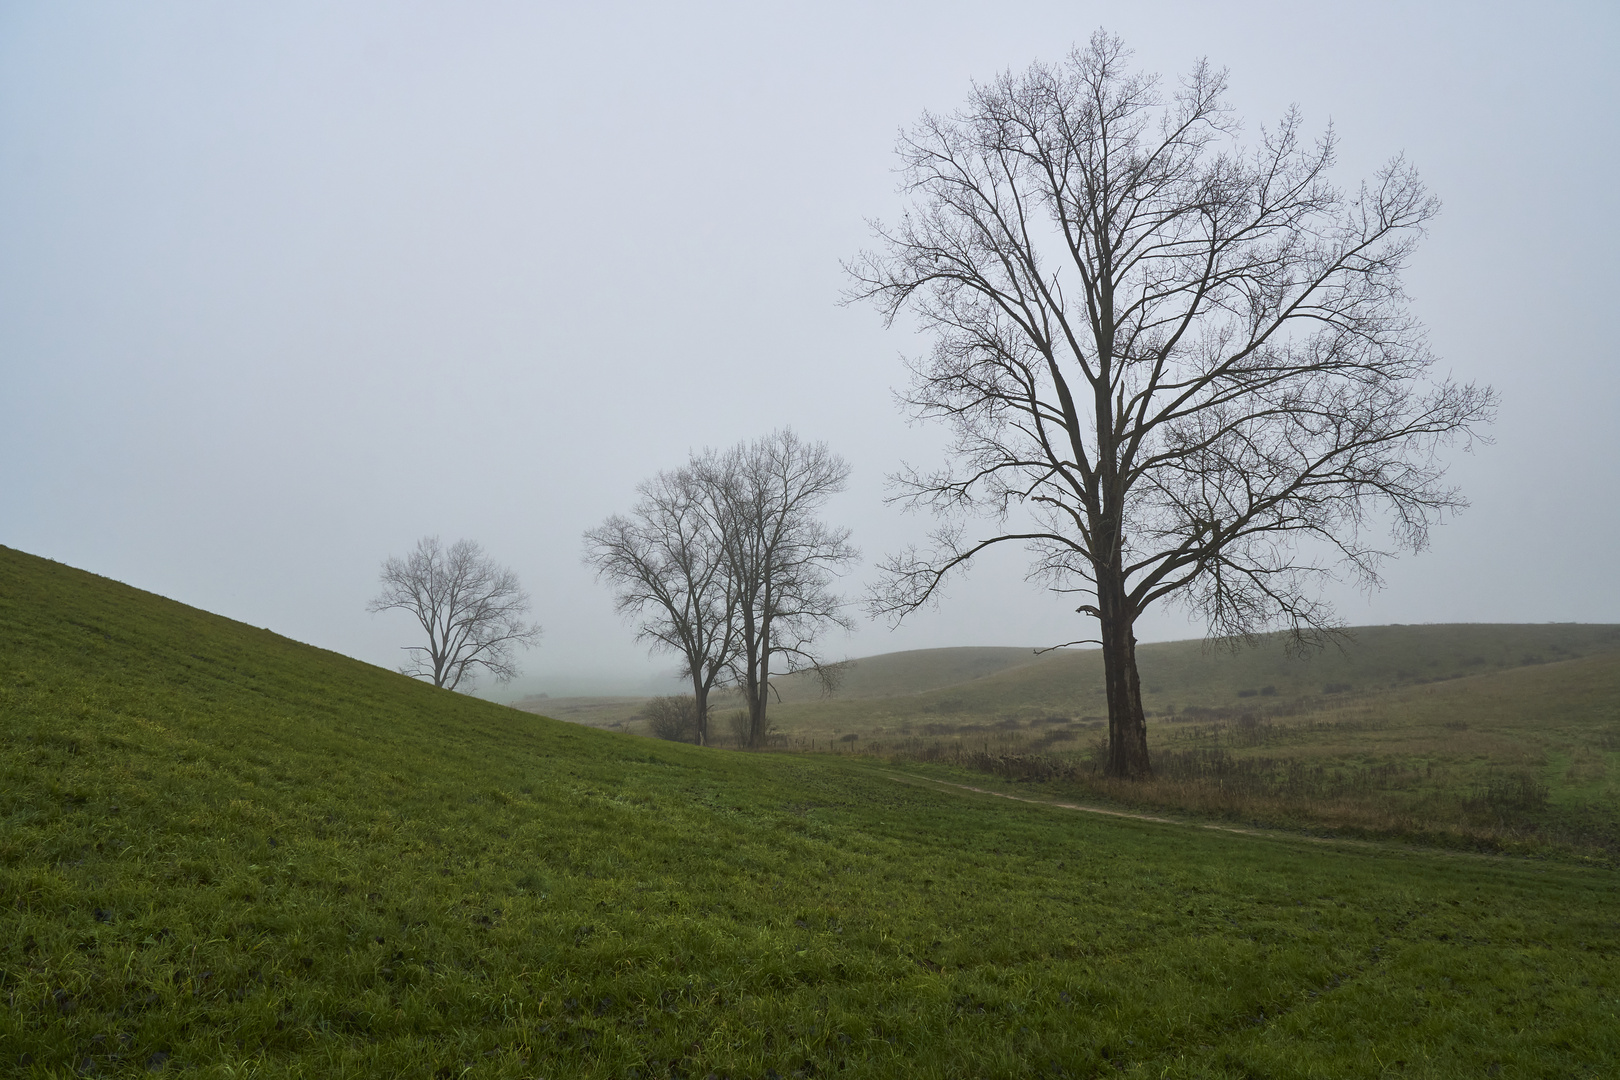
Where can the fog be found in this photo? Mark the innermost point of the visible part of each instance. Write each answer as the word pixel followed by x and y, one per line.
pixel 285 287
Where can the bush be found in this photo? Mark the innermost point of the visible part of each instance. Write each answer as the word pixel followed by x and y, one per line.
pixel 1518 791
pixel 738 723
pixel 673 717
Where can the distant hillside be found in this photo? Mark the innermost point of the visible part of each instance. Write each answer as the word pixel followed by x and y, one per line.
pixel 986 683
pixel 888 675
pixel 1179 674
pixel 911 672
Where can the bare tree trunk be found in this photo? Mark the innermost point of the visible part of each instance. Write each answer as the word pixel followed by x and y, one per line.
pixel 750 681
pixel 760 685
pixel 1127 724
pixel 761 695
pixel 700 699
pixel 756 720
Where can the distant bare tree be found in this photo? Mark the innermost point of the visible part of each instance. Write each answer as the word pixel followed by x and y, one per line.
pixel 472 609
pixel 1173 367
pixel 666 563
pixel 780 557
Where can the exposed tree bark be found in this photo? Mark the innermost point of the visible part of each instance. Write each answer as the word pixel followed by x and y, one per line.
pixel 1175 368
pixel 472 609
pixel 1127 723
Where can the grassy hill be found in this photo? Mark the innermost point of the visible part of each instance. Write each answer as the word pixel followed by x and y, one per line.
pixel 227 854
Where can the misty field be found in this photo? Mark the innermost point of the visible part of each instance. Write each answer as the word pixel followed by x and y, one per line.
pixel 227 854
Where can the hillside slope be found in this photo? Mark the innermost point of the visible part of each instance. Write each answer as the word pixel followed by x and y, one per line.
pixel 228 853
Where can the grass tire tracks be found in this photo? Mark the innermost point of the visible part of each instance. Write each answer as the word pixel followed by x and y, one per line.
pixel 1259 833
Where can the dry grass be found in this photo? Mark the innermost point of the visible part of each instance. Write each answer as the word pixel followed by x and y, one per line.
pixel 1511 758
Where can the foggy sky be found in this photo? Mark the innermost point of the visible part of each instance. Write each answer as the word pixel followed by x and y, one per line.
pixel 284 287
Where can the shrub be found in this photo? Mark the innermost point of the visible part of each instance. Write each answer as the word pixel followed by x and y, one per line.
pixel 1518 791
pixel 673 717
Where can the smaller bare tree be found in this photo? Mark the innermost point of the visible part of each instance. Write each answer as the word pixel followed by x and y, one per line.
pixel 472 608
pixel 781 560
pixel 666 562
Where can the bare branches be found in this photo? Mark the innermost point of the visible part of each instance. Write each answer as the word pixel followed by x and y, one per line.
pixel 724 563
pixel 1174 367
pixel 672 717
pixel 781 558
pixel 472 609
pixel 667 565
pixel 1149 337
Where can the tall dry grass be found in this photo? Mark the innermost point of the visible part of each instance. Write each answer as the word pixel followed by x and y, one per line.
pixel 1499 809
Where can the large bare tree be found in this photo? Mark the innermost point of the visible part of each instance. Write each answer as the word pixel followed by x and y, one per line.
pixel 1174 366
pixel 781 559
pixel 667 565
pixel 472 609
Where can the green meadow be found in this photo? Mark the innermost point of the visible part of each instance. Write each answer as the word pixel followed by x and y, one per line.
pixel 228 854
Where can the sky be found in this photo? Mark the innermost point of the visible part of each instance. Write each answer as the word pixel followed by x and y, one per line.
pixel 284 287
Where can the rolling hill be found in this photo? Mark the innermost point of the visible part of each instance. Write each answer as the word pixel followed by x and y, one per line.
pixel 229 854
pixel 889 675
pixel 986 685
pixel 1176 675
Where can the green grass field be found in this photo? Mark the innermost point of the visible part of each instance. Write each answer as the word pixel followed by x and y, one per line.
pixel 227 854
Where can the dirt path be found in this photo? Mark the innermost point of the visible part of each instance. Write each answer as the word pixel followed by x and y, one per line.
pixel 1270 834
